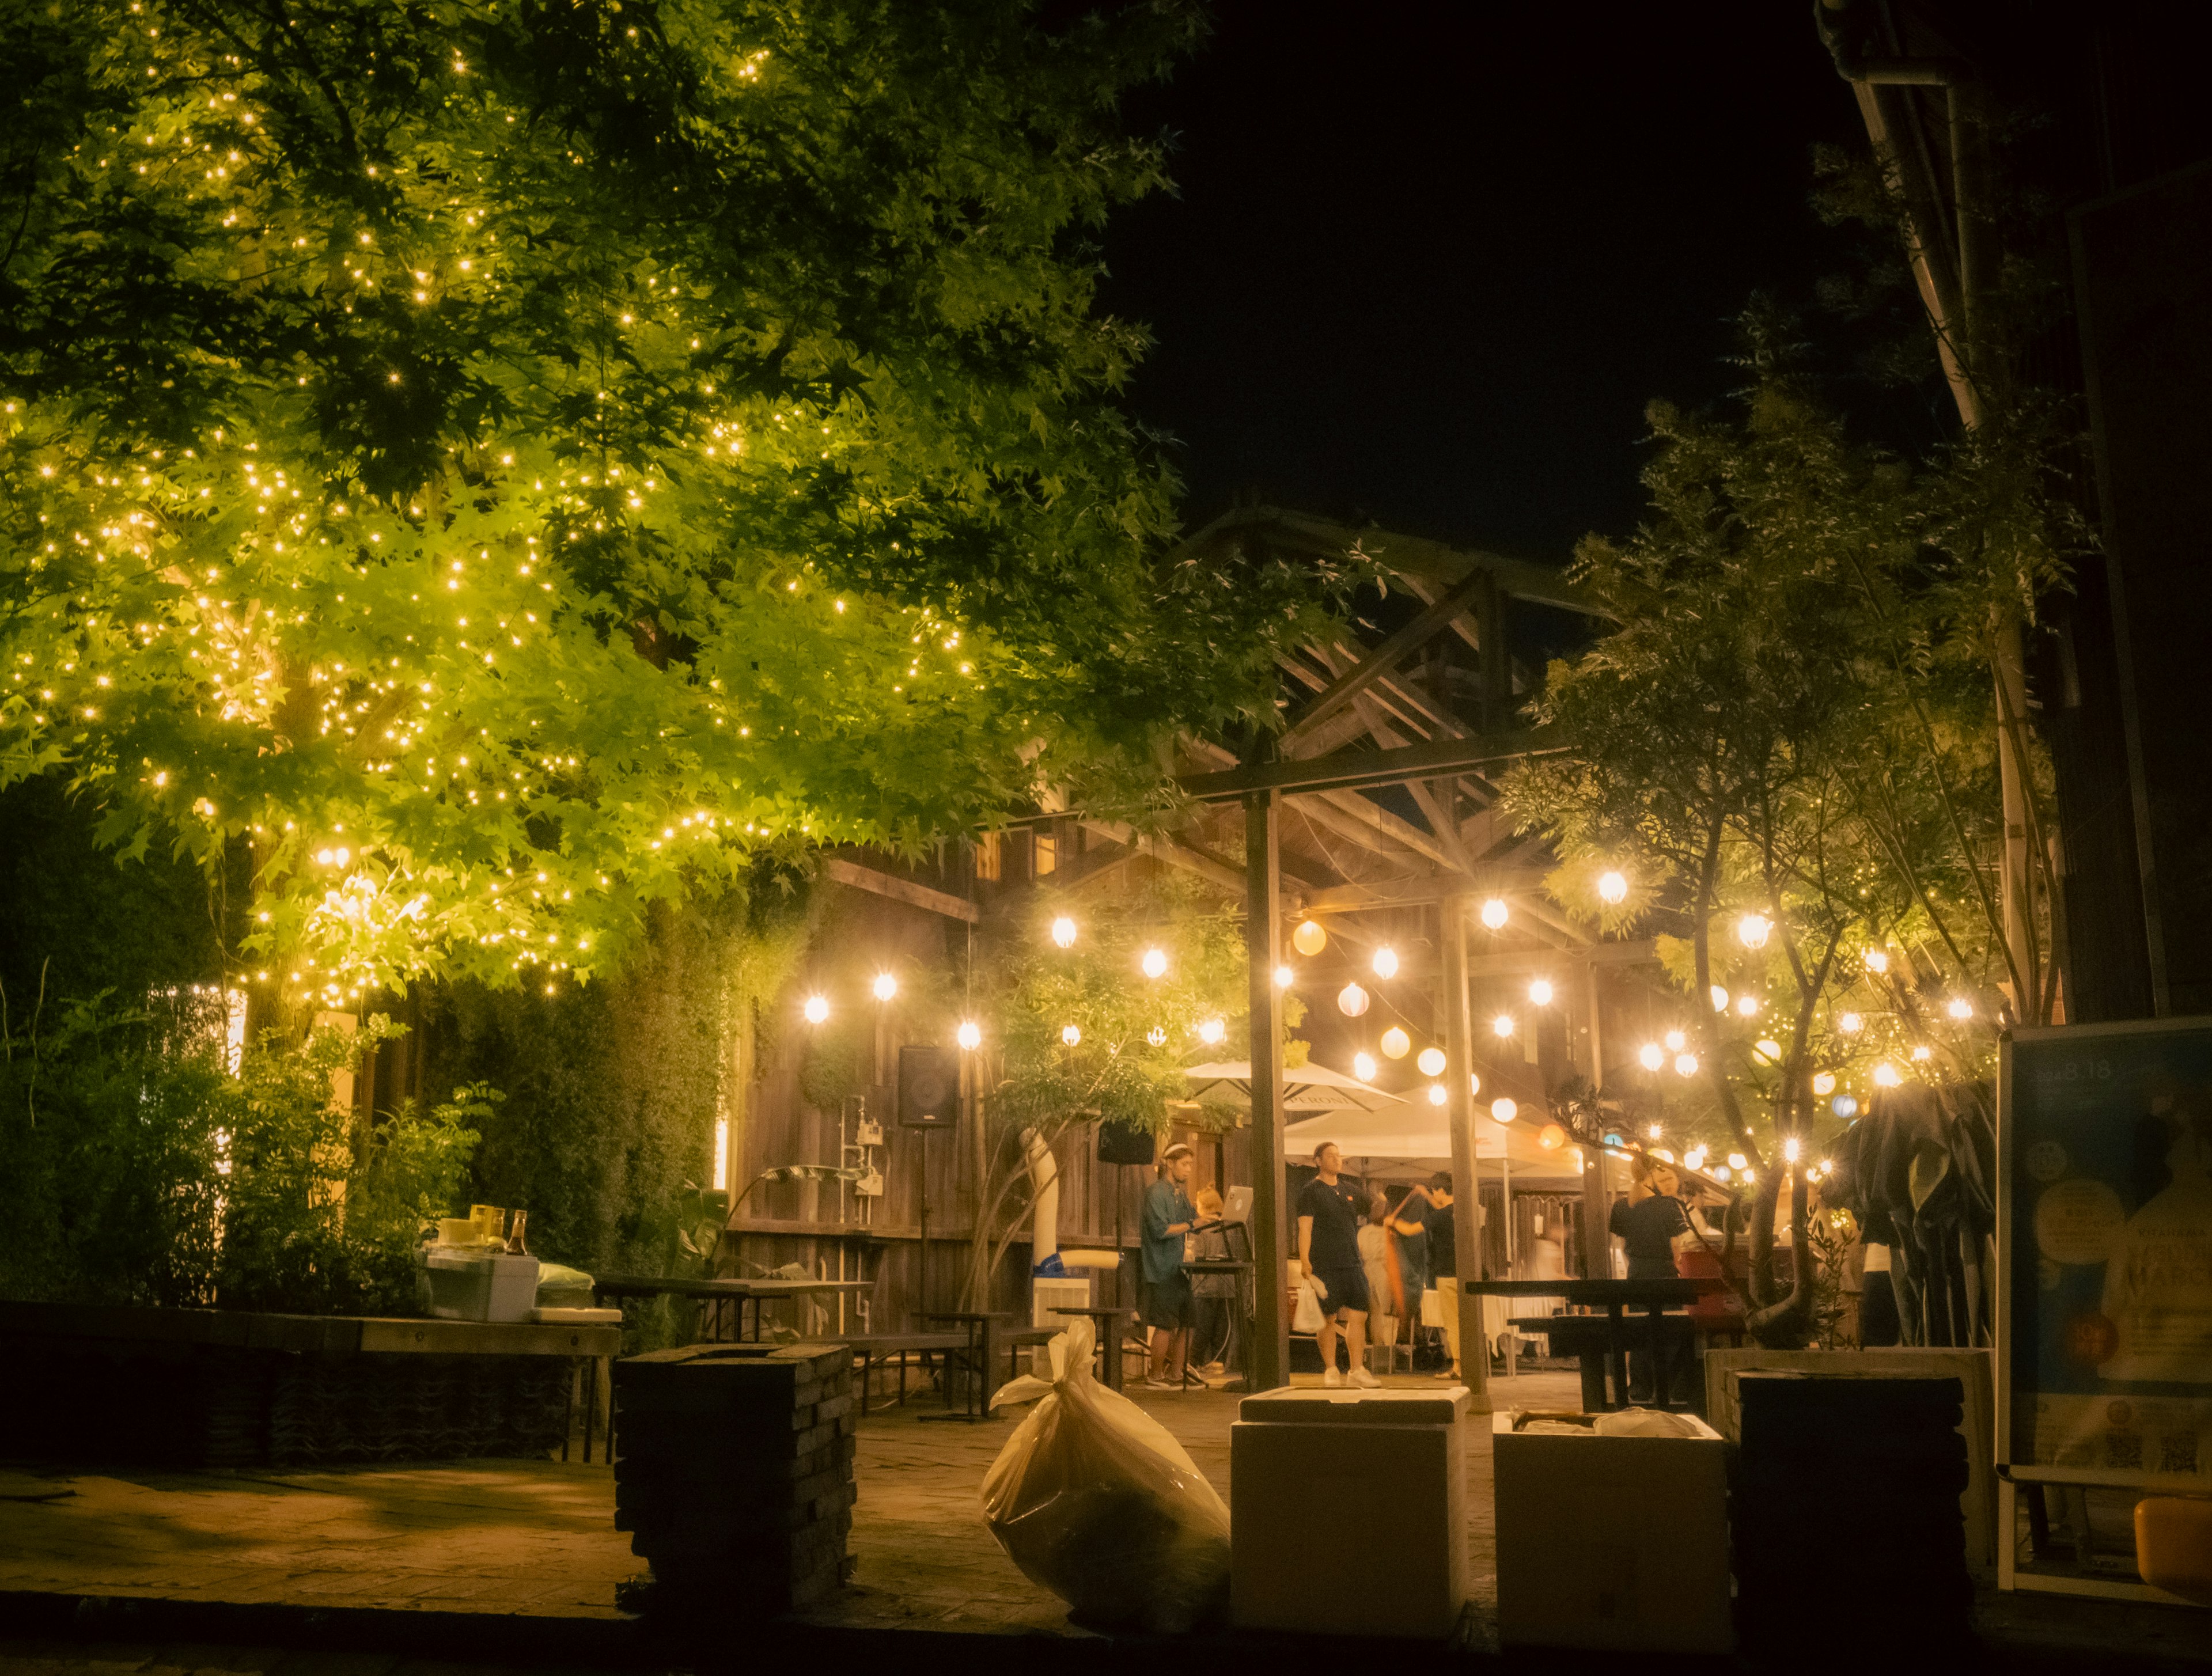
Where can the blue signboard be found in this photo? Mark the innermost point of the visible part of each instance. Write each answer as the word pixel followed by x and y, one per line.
pixel 2105 1250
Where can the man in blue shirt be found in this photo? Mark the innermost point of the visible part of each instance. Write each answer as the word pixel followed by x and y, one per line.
pixel 1165 1303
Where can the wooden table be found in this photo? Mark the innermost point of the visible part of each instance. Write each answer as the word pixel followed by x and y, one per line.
pixel 721 1293
pixel 1615 1298
pixel 977 1325
pixel 1106 1329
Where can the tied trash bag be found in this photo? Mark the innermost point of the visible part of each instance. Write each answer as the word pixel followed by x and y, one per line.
pixel 1093 1499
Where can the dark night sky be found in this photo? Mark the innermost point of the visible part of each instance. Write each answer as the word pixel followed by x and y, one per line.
pixel 1428 264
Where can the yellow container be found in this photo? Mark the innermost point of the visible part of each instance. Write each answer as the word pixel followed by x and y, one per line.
pixel 491 1222
pixel 457 1230
pixel 2174 1544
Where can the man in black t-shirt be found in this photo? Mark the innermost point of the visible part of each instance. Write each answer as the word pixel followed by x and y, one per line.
pixel 1328 1256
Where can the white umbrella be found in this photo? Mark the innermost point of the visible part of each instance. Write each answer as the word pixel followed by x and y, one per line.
pixel 1310 1088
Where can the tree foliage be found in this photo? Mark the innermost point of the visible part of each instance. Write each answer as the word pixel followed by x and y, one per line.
pixel 504 465
pixel 1789 749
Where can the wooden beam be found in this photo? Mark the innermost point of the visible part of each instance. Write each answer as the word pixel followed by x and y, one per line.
pixel 1415 892
pixel 1267 1359
pixel 1385 657
pixel 1399 831
pixel 1466 1181
pixel 842 872
pixel 1218 873
pixel 1351 770
pixel 1531 963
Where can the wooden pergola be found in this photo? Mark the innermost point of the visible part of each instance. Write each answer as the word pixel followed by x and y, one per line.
pixel 1380 794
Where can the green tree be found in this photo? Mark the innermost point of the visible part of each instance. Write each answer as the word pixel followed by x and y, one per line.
pixel 502 466
pixel 1788 748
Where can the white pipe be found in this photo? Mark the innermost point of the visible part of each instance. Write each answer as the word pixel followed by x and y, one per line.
pixel 1044 1194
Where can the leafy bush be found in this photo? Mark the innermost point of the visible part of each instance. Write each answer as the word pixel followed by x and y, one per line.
pixel 137 1168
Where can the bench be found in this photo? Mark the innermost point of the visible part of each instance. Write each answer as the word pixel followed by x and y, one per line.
pixel 876 1350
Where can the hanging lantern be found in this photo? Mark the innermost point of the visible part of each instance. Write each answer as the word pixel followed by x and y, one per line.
pixel 1071 1035
pixel 1493 913
pixel 1351 1000
pixel 1385 961
pixel 1063 932
pixel 1309 938
pixel 1613 888
pixel 1396 1043
pixel 1364 1067
pixel 1212 1032
pixel 1431 1061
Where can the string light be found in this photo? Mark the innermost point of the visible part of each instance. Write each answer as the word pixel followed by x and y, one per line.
pixel 969 1035
pixel 1876 962
pixel 817 1009
pixel 1502 1026
pixel 1431 1061
pixel 1504 1110
pixel 1768 1049
pixel 1887 1075
pixel 1156 963
pixel 1212 1032
pixel 1676 1041
pixel 1824 1083
pixel 1364 1067
pixel 1737 1161
pixel 1063 932
pixel 1650 1056
pixel 1309 938
pixel 1396 1043
pixel 1284 977
pixel 886 986
pixel 1071 1036
pixel 1540 992
pixel 1351 1000
pixel 1752 930
pixel 1694 1158
pixel 1960 1008
pixel 1438 1094
pixel 1685 1064
pixel 1385 961
pixel 1613 888
pixel 1747 1006
pixel 1719 998
pixel 1494 914
pixel 1851 1024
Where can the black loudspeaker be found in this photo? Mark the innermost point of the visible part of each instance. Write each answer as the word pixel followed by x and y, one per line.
pixel 1125 1143
pixel 928 1089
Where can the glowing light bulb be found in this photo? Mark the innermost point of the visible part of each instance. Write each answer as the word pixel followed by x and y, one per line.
pixel 1612 888
pixel 1071 1036
pixel 1719 997
pixel 1364 1067
pixel 1843 1106
pixel 1212 1031
pixel 969 1035
pixel 1156 1037
pixel 1156 963
pixel 1431 1061
pixel 1676 1040
pixel 1504 1111
pixel 1752 930
pixel 1960 1008
pixel 1493 913
pixel 1351 1000
pixel 1540 992
pixel 817 1009
pixel 1887 1075
pixel 1746 1005
pixel 1721 1172
pixel 1652 1133
pixel 886 986
pixel 1650 1056
pixel 1789 1150
pixel 1851 1024
pixel 1396 1043
pixel 1694 1158
pixel 1737 1161
pixel 1385 961
pixel 1309 938
pixel 1474 1083
pixel 1921 1055
pixel 1877 960
pixel 1284 977
pixel 1502 1026
pixel 1768 1049
pixel 1438 1094
pixel 1685 1064
pixel 1824 1084
pixel 1063 932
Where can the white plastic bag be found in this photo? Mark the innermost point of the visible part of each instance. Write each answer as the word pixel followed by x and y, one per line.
pixel 1305 1315
pixel 1094 1500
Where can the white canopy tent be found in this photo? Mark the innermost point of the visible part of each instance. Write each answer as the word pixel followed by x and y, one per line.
pixel 1419 1134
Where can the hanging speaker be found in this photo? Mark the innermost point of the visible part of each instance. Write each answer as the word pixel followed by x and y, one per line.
pixel 928 1088
pixel 1125 1143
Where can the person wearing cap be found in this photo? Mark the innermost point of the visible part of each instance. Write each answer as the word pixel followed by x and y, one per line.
pixel 1164 1302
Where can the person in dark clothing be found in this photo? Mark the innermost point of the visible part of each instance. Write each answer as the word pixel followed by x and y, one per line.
pixel 1443 1262
pixel 1328 1256
pixel 1649 1221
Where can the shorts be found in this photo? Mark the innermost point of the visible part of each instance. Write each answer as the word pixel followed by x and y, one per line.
pixel 1168 1304
pixel 1345 1289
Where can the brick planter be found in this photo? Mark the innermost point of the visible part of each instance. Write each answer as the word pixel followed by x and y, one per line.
pixel 735 1475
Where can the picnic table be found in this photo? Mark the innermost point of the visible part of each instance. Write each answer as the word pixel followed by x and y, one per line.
pixel 1601 1342
pixel 722 1293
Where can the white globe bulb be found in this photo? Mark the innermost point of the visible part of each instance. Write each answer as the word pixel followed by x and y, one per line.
pixel 1063 932
pixel 1493 913
pixel 1502 1025
pixel 1156 963
pixel 1650 1056
pixel 1504 1111
pixel 817 1009
pixel 1396 1043
pixel 1351 1000
pixel 1685 1064
pixel 1752 930
pixel 1676 1041
pixel 1071 1035
pixel 1613 888
pixel 1431 1061
pixel 1719 998
pixel 1364 1067
pixel 1385 961
pixel 886 986
pixel 1824 1083
pixel 969 1036
pixel 1438 1094
pixel 1540 992
pixel 1212 1032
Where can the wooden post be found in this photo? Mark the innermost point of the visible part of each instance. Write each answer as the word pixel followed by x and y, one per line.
pixel 1269 1358
pixel 1467 1178
pixel 1597 1196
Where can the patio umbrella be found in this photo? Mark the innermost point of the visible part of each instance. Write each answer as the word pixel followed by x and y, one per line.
pixel 1420 1134
pixel 1310 1088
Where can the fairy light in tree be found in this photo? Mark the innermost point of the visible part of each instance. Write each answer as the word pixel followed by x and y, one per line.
pixel 1876 962
pixel 1752 930
pixel 1887 1075
pixel 1737 1161
pixel 1212 1032
pixel 1431 1061
pixel 1747 1006
pixel 1071 1036
pixel 1851 1024
pixel 1960 1008
pixel 1613 888
pixel 1473 1083
pixel 1156 963
pixel 1676 1041
pixel 1790 1149
pixel 1284 977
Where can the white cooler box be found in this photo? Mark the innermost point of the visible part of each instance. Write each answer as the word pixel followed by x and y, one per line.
pixel 460 1286
pixel 1369 1487
pixel 1611 1543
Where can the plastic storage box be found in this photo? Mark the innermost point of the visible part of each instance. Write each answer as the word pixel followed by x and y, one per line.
pixel 477 1285
pixel 1368 1486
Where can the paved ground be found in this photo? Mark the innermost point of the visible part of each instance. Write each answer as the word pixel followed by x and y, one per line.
pixel 536 1538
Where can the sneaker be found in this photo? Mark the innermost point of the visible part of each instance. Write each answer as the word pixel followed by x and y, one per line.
pixel 1364 1380
pixel 1163 1385
pixel 1332 1378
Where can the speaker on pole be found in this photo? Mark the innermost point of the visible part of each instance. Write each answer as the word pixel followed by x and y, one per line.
pixel 928 1088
